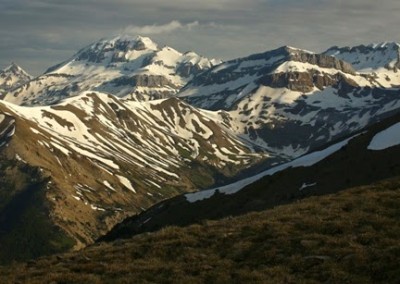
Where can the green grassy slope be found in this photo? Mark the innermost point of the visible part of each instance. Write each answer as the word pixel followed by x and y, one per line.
pixel 348 237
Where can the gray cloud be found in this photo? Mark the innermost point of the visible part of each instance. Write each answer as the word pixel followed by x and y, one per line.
pixel 40 33
pixel 159 29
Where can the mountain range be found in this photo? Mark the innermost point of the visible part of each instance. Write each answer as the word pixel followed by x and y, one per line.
pixel 134 68
pixel 125 124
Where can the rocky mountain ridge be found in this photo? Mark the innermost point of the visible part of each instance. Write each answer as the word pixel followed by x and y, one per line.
pixel 132 67
pixel 292 100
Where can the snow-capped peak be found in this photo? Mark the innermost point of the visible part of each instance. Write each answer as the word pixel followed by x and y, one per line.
pixel 366 58
pixel 126 66
pixel 15 68
pixel 13 76
pixel 133 42
pixel 12 67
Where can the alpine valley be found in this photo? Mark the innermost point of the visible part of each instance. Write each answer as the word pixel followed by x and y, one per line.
pixel 126 125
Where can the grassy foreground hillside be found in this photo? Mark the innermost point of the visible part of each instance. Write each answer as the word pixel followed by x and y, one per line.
pixel 349 237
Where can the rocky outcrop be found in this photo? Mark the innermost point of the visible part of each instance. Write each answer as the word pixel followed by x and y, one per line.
pixel 304 81
pixel 144 80
pixel 321 60
pixel 151 81
pixel 188 69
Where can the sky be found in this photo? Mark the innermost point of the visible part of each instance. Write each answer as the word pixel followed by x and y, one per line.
pixel 37 34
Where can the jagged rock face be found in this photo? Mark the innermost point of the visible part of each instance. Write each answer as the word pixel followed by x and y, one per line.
pixel 144 80
pixel 321 60
pixel 304 82
pixel 188 69
pixel 135 68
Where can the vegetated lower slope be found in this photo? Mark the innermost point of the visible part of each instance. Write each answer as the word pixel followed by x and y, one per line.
pixel 343 165
pixel 95 159
pixel 347 237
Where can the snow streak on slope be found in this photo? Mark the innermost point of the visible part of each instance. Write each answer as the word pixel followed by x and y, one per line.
pixel 388 138
pixel 104 129
pixel 304 161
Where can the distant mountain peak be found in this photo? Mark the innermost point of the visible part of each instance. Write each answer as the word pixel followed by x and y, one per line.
pixel 13 67
pixel 369 57
pixel 13 76
pixel 134 67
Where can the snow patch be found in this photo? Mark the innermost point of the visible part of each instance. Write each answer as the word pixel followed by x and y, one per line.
pixel 387 138
pixel 307 185
pixel 108 185
pixel 124 181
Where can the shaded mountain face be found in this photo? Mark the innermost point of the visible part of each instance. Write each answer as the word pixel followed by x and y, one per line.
pixel 291 100
pixel 101 158
pixel 133 67
pixel 11 77
pixel 360 160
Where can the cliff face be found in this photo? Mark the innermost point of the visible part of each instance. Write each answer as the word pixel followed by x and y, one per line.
pixel 304 82
pixel 295 79
pixel 321 60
